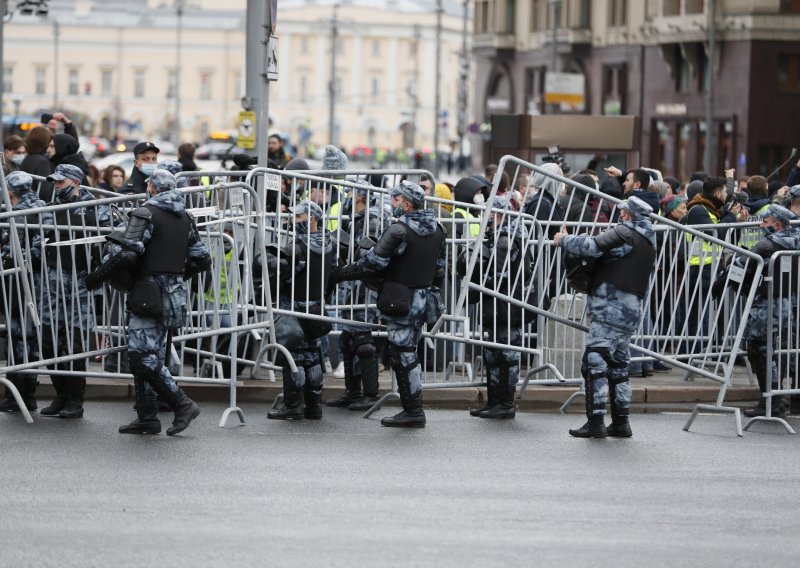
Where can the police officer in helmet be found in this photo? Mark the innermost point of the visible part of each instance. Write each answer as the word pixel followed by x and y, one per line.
pixel 159 250
pixel 410 258
pixel 627 255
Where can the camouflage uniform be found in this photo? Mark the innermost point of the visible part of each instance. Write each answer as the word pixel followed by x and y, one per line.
pixel 358 346
pixel 70 314
pixel 756 331
pixel 404 331
pixel 148 335
pixel 615 317
pixel 304 266
pixel 21 330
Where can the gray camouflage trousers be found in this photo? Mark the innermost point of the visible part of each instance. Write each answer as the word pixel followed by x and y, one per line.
pixel 605 359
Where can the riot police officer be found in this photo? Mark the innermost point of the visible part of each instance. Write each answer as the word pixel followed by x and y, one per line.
pixel 21 329
pixel 70 314
pixel 410 257
pixel 506 269
pixel 304 266
pixel 357 343
pixel 158 251
pixel 627 255
pixel 779 235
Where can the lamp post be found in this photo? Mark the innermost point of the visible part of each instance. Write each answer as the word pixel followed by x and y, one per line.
pixel 332 83
pixel 556 4
pixel 710 102
pixel 437 87
pixel 176 131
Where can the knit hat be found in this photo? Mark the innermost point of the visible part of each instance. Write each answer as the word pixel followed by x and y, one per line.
pixel 309 207
pixel 410 191
pixel 174 167
pixel 669 204
pixel 297 164
pixel 780 213
pixel 66 171
pixel 162 180
pixel 637 207
pixel 19 182
pixel 546 183
pixel 334 159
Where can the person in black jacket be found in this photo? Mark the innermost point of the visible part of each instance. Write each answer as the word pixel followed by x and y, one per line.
pixel 37 163
pixel 145 160
pixel 68 152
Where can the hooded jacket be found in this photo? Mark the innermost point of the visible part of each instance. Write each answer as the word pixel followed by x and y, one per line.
pixel 68 152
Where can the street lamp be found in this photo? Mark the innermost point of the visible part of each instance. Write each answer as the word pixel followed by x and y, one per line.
pixel 556 4
pixel 26 8
pixel 180 5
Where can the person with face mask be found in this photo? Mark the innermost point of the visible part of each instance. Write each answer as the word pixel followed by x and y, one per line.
pixel 303 266
pixel 145 162
pixel 410 258
pixel 506 268
pixel 467 192
pixel 69 317
pixel 20 328
pixel 153 258
pixel 14 153
pixel 779 235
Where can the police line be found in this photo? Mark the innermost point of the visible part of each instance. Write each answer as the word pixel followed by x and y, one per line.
pixel 552 343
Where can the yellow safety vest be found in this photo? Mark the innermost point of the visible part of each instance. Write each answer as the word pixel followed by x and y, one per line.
pixel 473 222
pixel 333 216
pixel 752 235
pixel 703 254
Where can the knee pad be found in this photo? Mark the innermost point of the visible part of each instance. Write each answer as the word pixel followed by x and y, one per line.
pixel 364 345
pixel 592 353
pixel 346 341
pixel 396 360
pixel 138 366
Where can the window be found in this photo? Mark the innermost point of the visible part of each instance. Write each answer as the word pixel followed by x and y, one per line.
pixel 511 15
pixel 705 71
pixel 302 88
pixel 106 78
pixel 375 87
pixel 172 82
pixel 40 80
pixel 693 6
pixel 614 89
pixel 618 13
pixel 376 48
pixel 585 14
pixel 482 24
pixel 138 83
pixel 304 45
pixel 534 89
pixel 73 87
pixel 537 21
pixel 8 79
pixel 670 7
pixel 789 73
pixel 682 7
pixel 682 72
pixel 205 86
pixel 790 6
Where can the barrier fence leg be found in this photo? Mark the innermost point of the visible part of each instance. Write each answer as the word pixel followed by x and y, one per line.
pixel 389 395
pixel 233 383
pixel 18 398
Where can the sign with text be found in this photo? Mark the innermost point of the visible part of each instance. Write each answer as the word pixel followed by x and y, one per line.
pixel 565 89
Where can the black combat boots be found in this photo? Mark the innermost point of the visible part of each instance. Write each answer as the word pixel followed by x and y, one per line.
pixel 491 399
pixel 412 415
pixel 147 421
pixel 620 427
pixel 76 388
pixel 352 385
pixel 504 398
pixel 369 379
pixel 60 401
pixel 293 407
pixel 595 426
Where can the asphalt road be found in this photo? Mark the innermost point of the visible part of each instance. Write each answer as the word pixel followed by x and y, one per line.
pixel 347 492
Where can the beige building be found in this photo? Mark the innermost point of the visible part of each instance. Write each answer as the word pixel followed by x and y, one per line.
pixel 114 63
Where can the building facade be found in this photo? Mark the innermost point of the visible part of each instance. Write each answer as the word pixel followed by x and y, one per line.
pixel 651 59
pixel 117 64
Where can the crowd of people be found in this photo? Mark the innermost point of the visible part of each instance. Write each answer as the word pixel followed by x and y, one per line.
pixel 407 258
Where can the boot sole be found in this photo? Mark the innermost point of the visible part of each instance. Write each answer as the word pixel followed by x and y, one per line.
pixel 71 416
pixel 579 435
pixel 409 425
pixel 172 431
pixel 144 432
pixel 285 417
pixel 504 417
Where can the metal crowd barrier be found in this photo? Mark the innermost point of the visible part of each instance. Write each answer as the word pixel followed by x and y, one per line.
pixel 231 324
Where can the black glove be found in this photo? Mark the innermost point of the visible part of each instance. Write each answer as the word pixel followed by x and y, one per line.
pixel 333 279
pixel 719 285
pixel 93 281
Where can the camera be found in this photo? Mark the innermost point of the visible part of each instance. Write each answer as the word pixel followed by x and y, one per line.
pixel 555 156
pixel 740 198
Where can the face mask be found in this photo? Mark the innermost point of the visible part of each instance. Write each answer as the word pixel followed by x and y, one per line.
pixel 17 159
pixel 768 230
pixel 398 211
pixel 147 169
pixel 228 246
pixel 301 227
pixel 478 199
pixel 63 195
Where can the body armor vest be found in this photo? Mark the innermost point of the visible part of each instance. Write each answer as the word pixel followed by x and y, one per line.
pixel 166 251
pixel 417 266
pixel 631 272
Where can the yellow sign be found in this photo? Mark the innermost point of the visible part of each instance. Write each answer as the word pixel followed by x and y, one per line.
pixel 246 125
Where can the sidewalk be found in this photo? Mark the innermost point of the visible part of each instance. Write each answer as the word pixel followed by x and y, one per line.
pixel 668 391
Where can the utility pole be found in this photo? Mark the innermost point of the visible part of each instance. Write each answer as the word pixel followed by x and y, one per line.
pixel 413 88
pixel 176 131
pixel 556 4
pixel 462 90
pixel 332 83
pixel 3 7
pixel 56 33
pixel 258 29
pixel 438 87
pixel 710 102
